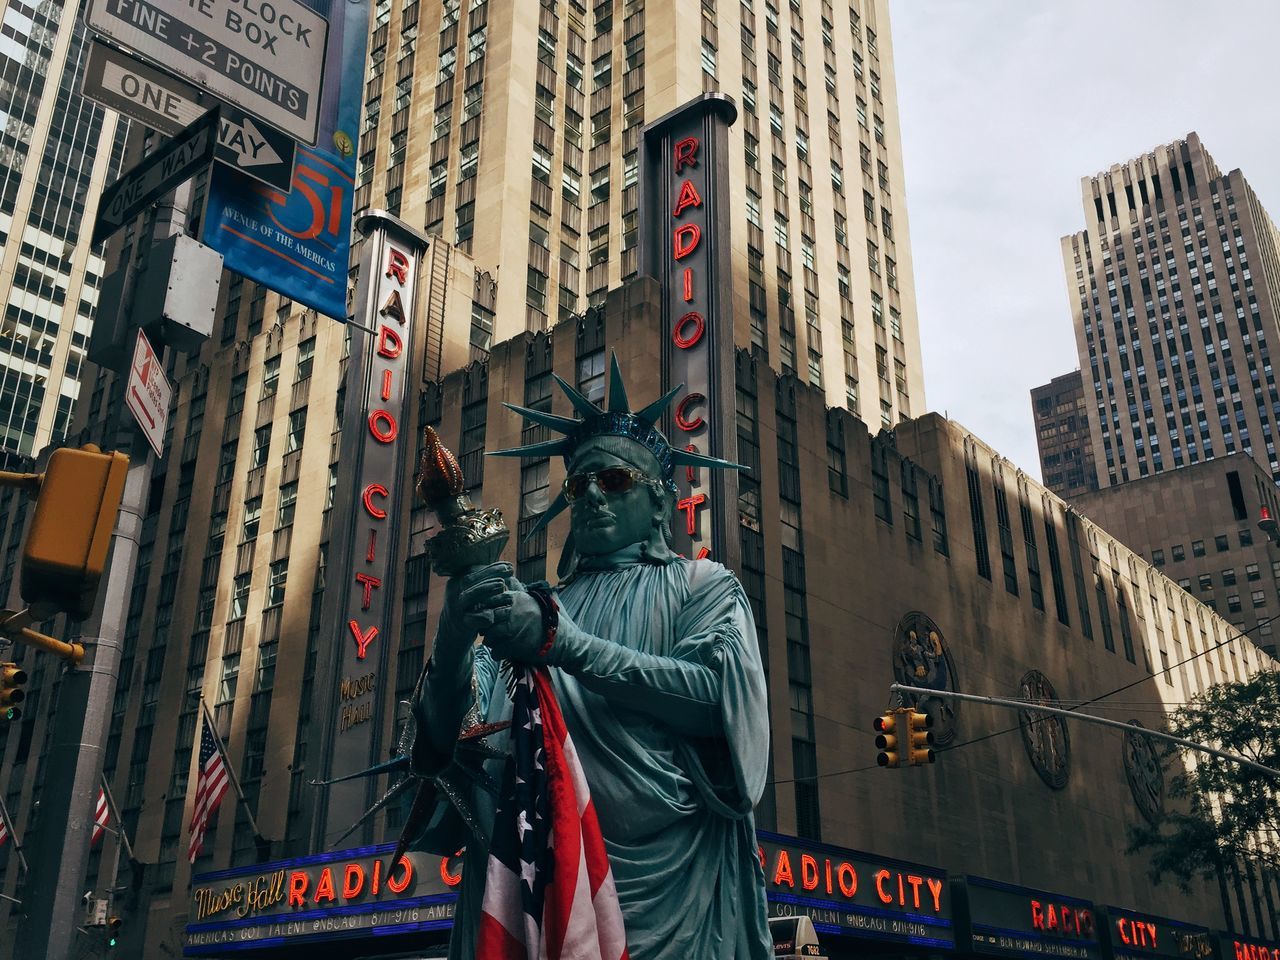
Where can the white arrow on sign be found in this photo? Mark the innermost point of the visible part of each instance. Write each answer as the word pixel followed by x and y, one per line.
pixel 250 146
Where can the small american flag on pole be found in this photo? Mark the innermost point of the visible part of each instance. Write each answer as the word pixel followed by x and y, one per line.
pixel 549 892
pixel 4 830
pixel 212 783
pixel 101 815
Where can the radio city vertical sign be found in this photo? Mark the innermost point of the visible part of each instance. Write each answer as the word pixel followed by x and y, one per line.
pixel 352 670
pixel 684 230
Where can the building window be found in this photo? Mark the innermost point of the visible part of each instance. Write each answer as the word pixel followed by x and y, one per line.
pixel 276 582
pixel 306 358
pixel 1251 571
pixel 297 430
pixel 1246 537
pixel 240 597
pixel 1197 548
pixel 261 446
pixel 1178 553
pixel 270 376
pixel 591 375
pixel 1005 531
pixel 252 516
pixel 1157 557
pixel 1259 598
pixel 880 483
pixel 288 503
pixel 1229 577
pixel 910 501
pixel 1221 543
pixel 978 517
pixel 708 58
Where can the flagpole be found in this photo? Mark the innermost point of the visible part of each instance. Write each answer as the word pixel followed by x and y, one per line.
pixel 17 845
pixel 231 773
pixel 115 814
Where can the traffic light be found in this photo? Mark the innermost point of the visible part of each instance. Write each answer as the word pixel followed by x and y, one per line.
pixel 112 932
pixel 887 740
pixel 70 533
pixel 12 677
pixel 921 738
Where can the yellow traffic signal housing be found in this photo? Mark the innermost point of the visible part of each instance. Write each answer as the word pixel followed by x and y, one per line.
pixel 886 726
pixel 70 534
pixel 12 678
pixel 921 738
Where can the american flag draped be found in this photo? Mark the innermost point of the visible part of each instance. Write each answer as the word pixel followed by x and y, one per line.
pixel 212 783
pixel 549 892
pixel 101 814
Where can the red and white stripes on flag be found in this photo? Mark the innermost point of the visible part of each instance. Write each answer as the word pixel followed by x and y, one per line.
pixel 212 783
pixel 549 892
pixel 101 815
pixel 4 830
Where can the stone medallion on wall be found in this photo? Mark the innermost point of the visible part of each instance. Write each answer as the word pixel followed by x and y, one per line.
pixel 1145 773
pixel 1044 735
pixel 921 659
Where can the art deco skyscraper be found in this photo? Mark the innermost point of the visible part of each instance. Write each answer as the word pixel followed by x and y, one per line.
pixel 517 126
pixel 57 151
pixel 1173 288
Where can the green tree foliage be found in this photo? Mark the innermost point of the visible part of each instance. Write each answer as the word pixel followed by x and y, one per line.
pixel 1222 812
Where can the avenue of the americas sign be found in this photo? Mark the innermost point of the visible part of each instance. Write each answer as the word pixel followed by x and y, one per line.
pixel 166 103
pixel 266 56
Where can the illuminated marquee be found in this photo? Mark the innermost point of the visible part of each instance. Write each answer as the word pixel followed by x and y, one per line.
pixel 346 894
pixel 854 894
pixel 1011 921
pixel 1135 934
pixel 685 230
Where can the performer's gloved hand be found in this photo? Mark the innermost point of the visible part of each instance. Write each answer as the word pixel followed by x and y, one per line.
pixel 684 694
pixel 470 603
pixel 517 631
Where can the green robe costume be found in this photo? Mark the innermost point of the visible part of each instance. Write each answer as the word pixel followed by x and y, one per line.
pixel 667 710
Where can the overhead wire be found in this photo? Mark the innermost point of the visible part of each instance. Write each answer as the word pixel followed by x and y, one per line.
pixel 1243 634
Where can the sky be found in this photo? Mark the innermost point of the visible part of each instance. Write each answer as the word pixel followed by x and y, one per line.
pixel 1004 106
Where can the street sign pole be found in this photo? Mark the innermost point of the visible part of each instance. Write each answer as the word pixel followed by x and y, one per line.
pixel 80 723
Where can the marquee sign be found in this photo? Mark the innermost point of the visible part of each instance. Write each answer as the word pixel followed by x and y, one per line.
pixel 351 893
pixel 855 894
pixel 1000 919
pixel 374 450
pixel 684 224
pixel 1133 935
pixel 1232 946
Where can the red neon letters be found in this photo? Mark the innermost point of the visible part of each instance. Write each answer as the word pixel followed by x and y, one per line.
pixel 383 431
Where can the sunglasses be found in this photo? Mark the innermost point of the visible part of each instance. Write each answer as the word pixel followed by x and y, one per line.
pixel 611 481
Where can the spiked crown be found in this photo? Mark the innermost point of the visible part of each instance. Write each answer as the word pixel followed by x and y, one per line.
pixel 616 420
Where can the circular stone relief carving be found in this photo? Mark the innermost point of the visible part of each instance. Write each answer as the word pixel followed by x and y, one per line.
pixel 921 659
pixel 1044 735
pixel 1145 773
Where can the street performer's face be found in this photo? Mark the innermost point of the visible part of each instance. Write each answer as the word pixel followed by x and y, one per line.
pixel 613 503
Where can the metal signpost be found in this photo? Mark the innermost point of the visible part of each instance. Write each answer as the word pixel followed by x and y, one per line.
pixel 266 57
pixel 148 394
pixel 173 163
pixel 166 103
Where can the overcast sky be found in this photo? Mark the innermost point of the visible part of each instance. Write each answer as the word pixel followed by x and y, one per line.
pixel 1005 105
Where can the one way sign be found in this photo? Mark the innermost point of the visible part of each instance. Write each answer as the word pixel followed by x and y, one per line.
pixel 165 103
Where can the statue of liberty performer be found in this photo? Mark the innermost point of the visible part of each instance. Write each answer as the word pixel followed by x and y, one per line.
pixel 655 664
